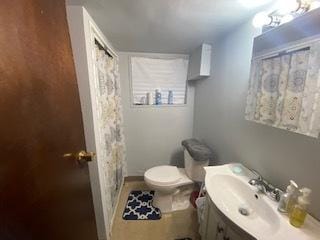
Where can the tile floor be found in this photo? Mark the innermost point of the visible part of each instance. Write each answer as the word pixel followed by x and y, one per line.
pixel 180 224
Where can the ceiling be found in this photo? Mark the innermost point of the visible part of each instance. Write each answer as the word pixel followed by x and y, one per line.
pixel 164 26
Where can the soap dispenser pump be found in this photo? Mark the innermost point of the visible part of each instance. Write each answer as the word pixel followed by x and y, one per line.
pixel 287 198
pixel 299 211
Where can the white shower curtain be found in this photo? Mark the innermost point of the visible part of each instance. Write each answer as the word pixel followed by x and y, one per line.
pixel 284 91
pixel 110 125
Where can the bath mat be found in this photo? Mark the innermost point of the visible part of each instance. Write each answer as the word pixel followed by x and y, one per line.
pixel 139 207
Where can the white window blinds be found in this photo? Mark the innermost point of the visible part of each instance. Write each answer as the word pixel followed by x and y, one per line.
pixel 150 74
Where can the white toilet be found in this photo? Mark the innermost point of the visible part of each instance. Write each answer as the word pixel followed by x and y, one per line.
pixel 173 185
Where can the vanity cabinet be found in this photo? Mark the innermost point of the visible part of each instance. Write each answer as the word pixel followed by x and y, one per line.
pixel 216 226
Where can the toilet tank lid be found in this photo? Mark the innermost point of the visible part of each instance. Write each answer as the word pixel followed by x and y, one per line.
pixel 163 175
pixel 198 150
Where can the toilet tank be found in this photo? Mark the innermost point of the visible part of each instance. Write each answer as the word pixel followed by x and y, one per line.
pixel 194 169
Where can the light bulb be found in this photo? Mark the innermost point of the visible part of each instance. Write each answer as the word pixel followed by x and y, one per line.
pixel 287 18
pixel 261 19
pixel 287 6
pixel 314 5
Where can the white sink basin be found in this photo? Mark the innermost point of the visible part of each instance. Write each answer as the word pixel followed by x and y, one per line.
pixel 255 213
pixel 235 196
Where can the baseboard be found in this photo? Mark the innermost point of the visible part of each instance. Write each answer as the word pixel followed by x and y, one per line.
pixel 133 178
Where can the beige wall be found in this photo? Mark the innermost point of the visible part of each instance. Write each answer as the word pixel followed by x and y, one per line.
pixel 153 134
pixel 219 119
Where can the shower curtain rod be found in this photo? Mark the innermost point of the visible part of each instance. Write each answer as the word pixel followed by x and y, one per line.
pixel 101 47
pixel 287 53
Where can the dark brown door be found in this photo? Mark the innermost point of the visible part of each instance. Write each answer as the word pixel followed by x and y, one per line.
pixel 42 195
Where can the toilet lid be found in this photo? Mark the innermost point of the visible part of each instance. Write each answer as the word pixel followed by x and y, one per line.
pixel 163 175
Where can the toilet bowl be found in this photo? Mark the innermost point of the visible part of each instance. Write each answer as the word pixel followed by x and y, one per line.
pixel 173 185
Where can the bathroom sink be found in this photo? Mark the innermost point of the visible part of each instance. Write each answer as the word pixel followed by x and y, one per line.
pixel 238 199
pixel 253 212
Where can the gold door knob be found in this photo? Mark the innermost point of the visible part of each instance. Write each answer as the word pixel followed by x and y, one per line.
pixel 81 157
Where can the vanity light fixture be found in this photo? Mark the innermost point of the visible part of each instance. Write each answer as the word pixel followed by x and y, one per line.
pixel 264 19
pixel 284 11
pixel 284 7
pixel 261 19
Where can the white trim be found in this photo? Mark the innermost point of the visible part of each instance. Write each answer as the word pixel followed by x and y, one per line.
pixel 89 27
pixel 77 23
pixel 83 30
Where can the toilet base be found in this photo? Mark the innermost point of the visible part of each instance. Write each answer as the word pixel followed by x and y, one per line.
pixel 170 202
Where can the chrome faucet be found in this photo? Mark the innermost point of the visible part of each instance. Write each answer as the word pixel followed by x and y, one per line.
pixel 264 187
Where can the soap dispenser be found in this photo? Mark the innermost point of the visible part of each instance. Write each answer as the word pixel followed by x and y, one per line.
pixel 299 211
pixel 288 199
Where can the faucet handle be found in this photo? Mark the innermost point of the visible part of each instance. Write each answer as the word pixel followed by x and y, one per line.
pixel 258 184
pixel 275 194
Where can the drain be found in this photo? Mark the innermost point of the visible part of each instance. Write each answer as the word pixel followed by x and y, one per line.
pixel 244 211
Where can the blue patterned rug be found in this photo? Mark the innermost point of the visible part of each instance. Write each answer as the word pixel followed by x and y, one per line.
pixel 139 207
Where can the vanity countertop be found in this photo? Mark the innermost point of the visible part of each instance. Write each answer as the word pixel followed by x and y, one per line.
pixel 228 188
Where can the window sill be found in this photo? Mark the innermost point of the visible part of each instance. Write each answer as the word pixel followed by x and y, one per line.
pixel 159 106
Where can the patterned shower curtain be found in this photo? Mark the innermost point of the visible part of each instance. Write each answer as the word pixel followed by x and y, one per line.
pixel 109 110
pixel 284 91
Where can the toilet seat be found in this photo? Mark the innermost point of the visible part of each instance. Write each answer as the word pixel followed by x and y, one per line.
pixel 163 175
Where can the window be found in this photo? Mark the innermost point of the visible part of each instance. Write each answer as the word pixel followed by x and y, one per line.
pixel 159 81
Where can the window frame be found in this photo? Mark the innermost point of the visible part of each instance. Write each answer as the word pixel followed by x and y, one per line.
pixel 155 56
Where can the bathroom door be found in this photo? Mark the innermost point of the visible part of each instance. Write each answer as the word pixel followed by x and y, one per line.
pixel 42 194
